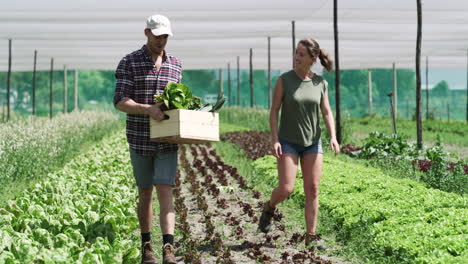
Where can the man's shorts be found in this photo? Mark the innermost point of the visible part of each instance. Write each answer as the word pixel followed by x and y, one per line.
pixel 158 169
pixel 298 150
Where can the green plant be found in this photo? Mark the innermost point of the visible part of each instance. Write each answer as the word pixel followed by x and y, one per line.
pixel 387 220
pixel 32 147
pixel 379 145
pixel 83 213
pixel 178 96
pixel 440 175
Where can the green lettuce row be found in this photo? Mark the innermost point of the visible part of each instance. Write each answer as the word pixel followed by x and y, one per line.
pixel 390 220
pixel 32 147
pixel 84 213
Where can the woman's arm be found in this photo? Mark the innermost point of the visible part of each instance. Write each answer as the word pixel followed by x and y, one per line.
pixel 329 122
pixel 274 112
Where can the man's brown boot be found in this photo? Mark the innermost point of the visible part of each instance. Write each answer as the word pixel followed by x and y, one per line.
pixel 169 254
pixel 147 255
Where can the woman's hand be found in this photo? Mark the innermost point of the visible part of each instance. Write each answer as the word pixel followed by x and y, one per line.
pixel 276 151
pixel 335 146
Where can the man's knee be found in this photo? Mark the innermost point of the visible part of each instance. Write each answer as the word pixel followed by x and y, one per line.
pixel 146 193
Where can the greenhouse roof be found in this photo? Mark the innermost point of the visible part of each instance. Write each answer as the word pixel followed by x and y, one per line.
pixel 209 34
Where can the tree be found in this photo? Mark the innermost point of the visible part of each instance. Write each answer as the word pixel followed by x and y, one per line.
pixel 441 89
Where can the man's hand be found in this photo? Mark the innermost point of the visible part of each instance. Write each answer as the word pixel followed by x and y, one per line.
pixel 154 111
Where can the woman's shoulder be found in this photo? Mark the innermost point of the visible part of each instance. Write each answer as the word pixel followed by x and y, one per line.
pixel 288 74
pixel 318 79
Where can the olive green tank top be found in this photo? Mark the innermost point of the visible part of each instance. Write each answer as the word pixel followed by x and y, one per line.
pixel 300 109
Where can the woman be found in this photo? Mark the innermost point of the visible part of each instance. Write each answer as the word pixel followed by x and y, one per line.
pixel 301 95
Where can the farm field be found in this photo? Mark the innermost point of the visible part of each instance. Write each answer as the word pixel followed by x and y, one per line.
pixel 451 134
pixel 85 211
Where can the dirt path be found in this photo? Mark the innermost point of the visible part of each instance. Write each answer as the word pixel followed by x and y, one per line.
pixel 218 216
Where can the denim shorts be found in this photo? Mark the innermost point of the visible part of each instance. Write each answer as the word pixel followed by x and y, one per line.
pixel 299 150
pixel 158 169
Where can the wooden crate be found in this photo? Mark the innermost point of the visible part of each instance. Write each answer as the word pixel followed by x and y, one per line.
pixel 185 127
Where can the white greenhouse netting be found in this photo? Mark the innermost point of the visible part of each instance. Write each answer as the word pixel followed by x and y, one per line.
pixel 208 34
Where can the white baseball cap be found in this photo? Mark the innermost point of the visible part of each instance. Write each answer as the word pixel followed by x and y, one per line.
pixel 159 25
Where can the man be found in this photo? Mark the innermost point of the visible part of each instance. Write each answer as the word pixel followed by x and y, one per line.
pixel 140 75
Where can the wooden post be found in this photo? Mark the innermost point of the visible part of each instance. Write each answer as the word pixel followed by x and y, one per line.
pixel 407 109
pixel 269 72
pixel 221 90
pixel 392 113
pixel 34 85
pixel 251 80
pixel 65 88
pixel 418 77
pixel 395 95
pixel 337 73
pixel 427 88
pixel 229 83
pixel 448 112
pixel 369 75
pixel 51 86
pixel 238 82
pixel 293 23
pixel 76 91
pixel 9 80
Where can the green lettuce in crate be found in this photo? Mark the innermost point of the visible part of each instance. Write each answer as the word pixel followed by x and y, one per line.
pixel 179 96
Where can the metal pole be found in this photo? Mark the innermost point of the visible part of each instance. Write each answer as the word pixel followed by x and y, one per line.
pixel 395 95
pixel 76 90
pixel 337 73
pixel 34 85
pixel 293 23
pixel 51 85
pixel 427 88
pixel 251 79
pixel 466 85
pixel 65 88
pixel 269 72
pixel 229 83
pixel 238 82
pixel 369 75
pixel 9 80
pixel 418 77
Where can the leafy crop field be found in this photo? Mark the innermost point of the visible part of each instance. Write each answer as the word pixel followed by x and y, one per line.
pixel 83 213
pixel 83 210
pixel 451 134
pixel 33 147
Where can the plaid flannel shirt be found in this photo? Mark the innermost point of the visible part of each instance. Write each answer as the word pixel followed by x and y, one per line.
pixel 138 79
